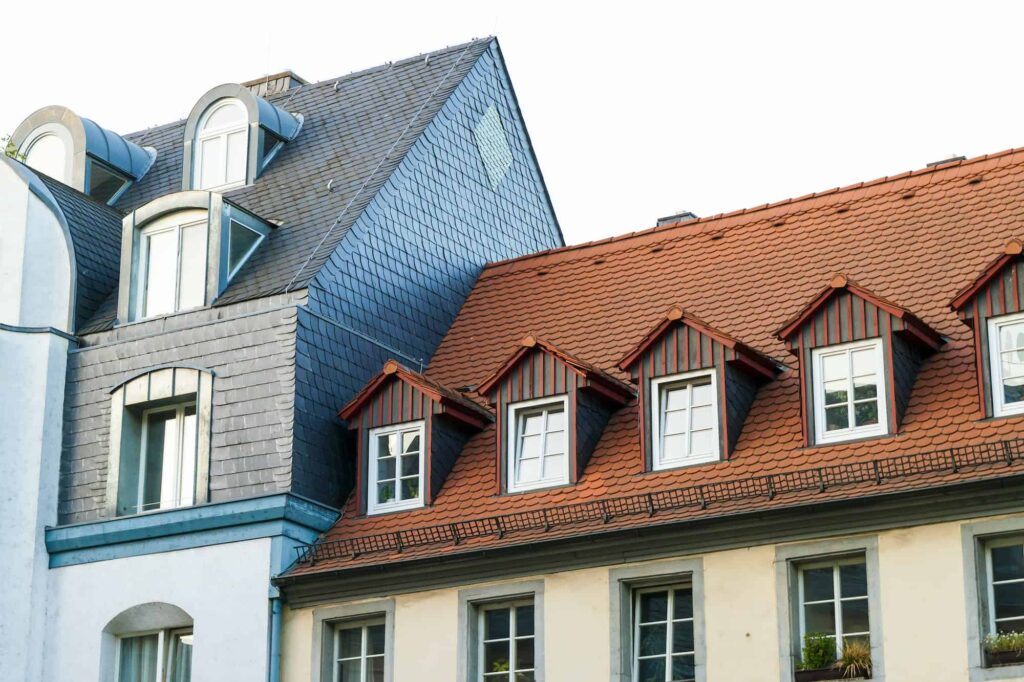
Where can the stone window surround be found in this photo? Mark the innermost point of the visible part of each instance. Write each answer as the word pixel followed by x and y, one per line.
pixel 787 559
pixel 324 620
pixel 974 536
pixel 153 385
pixel 622 582
pixel 467 635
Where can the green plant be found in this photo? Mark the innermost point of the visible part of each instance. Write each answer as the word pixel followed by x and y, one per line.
pixel 856 659
pixel 819 651
pixel 1005 641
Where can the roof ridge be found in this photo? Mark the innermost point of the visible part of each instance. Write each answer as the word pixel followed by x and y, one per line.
pixel 697 225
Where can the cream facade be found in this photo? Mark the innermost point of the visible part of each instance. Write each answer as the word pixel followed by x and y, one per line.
pixel 926 610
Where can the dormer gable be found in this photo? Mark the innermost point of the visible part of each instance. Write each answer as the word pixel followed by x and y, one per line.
pixel 682 346
pixel 538 375
pixel 866 336
pixel 431 422
pixel 992 305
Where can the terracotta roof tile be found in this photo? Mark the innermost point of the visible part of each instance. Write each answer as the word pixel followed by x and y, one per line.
pixel 918 238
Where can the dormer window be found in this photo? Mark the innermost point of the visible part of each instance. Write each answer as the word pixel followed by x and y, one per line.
pixel 848 391
pixel 396 467
pixel 684 416
pixel 539 445
pixel 222 146
pixel 172 259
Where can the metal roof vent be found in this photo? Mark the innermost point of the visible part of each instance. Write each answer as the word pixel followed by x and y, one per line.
pixel 680 217
pixel 274 83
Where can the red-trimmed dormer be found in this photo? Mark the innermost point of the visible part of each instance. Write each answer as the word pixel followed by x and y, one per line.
pixel 410 432
pixel 696 387
pixel 859 356
pixel 551 409
pixel 993 306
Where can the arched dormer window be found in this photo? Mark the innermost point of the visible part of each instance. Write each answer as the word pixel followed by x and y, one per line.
pixel 221 146
pixel 230 137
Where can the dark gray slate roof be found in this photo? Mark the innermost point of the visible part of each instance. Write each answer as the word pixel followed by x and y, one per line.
pixel 356 130
pixel 96 234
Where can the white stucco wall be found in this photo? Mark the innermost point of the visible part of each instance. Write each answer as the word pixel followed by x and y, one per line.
pixel 224 588
pixel 35 291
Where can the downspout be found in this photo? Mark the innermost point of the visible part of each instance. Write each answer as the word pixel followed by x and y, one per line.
pixel 274 674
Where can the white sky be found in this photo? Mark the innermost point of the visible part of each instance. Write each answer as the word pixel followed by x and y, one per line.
pixel 634 113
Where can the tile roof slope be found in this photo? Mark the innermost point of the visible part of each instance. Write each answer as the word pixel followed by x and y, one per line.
pixel 372 118
pixel 96 234
pixel 915 239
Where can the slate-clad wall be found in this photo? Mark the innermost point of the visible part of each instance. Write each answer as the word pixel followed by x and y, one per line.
pixel 411 259
pixel 250 349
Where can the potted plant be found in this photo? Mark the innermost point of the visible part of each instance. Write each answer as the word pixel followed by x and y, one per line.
pixel 1005 648
pixel 818 660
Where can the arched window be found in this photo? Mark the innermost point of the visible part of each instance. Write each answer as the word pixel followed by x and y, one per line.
pixel 222 146
pixel 48 153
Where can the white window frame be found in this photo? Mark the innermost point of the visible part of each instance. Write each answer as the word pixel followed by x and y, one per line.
pixel 990 584
pixel 179 425
pixel 658 461
pixel 837 598
pixel 372 505
pixel 364 629
pixel 817 377
pixel 1000 408
pixel 512 443
pixel 481 647
pixel 203 133
pixel 163 650
pixel 669 627
pixel 189 219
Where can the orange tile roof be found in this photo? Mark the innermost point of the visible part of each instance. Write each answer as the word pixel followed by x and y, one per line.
pixel 918 238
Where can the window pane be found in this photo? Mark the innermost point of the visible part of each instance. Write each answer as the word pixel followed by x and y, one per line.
pixel 863 362
pixel 652 639
pixel 683 668
pixel 242 239
pixel 496 623
pixel 350 642
pixel 137 661
pixel 211 162
pixel 855 615
pixel 833 367
pixel 864 388
pixel 192 286
pixel 181 661
pixel 835 392
pixel 524 621
pixel 237 156
pixel 653 606
pixel 866 414
pixel 818 584
pixel 652 670
pixel 1008 562
pixel 524 654
pixel 161 261
pixel 820 618
pixel 853 580
pixel 375 669
pixel 350 671
pixel 1009 599
pixel 682 606
pixel 837 418
pixel 497 657
pixel 682 637
pixel 375 639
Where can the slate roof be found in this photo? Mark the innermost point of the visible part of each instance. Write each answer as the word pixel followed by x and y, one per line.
pixel 96 234
pixel 356 130
pixel 917 239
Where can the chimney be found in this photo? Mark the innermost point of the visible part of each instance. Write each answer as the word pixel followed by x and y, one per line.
pixel 680 217
pixel 274 83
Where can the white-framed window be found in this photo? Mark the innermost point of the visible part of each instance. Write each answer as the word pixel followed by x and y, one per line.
pixel 396 467
pixel 172 264
pixel 684 419
pixel 161 473
pixel 359 650
pixel 160 656
pixel 663 638
pixel 506 642
pixel 833 600
pixel 221 149
pixel 1004 559
pixel 849 391
pixel 538 452
pixel 1006 363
